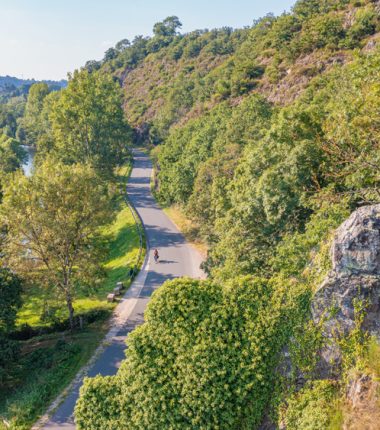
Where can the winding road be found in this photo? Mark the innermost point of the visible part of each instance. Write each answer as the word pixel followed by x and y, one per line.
pixel 177 258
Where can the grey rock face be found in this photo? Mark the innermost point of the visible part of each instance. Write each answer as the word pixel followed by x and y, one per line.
pixel 356 247
pixel 355 275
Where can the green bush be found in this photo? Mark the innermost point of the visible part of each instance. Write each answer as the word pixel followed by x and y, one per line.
pixel 312 407
pixel 319 32
pixel 204 358
pixel 10 302
pixel 366 21
pixel 101 410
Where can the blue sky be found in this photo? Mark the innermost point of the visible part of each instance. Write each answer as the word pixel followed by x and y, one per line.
pixel 45 39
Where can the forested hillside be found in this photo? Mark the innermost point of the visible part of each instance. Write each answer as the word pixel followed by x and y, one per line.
pixel 266 138
pixel 274 115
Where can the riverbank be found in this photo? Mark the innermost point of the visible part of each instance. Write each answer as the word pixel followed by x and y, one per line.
pixel 55 358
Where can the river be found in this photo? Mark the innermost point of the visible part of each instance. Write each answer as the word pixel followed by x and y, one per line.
pixel 28 165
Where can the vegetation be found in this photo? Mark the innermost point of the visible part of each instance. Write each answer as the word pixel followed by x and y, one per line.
pixel 12 155
pixel 47 364
pixel 312 408
pixel 86 123
pixel 198 361
pixel 66 234
pixel 55 357
pixel 10 301
pixel 266 138
pixel 51 219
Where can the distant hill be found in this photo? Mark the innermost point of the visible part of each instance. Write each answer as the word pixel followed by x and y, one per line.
pixel 11 86
pixel 7 82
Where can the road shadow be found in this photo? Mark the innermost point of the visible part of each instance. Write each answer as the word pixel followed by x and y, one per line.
pixel 161 237
pixel 153 281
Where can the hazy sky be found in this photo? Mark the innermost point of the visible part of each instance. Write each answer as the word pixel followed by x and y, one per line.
pixel 45 39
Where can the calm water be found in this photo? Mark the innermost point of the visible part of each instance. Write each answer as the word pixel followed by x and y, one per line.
pixel 28 166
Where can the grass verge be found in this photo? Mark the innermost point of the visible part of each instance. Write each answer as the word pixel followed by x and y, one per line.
pixel 47 365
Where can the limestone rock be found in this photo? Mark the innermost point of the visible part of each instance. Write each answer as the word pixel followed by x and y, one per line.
pixel 355 275
pixel 356 247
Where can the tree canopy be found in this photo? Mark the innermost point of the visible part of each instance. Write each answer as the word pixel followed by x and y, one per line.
pixel 87 122
pixel 52 221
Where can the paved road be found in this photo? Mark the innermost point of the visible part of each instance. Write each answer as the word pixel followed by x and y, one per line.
pixel 177 258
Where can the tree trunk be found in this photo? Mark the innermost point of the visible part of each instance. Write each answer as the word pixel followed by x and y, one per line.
pixel 69 302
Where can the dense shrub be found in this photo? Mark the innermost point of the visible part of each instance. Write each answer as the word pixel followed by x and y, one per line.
pixel 311 408
pixel 10 302
pixel 203 359
pixel 365 24
pixel 321 31
pixel 102 407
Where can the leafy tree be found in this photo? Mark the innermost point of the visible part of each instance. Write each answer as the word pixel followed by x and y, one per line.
pixel 12 155
pixel 164 33
pixel 10 299
pixel 122 45
pixel 52 221
pixel 31 122
pixel 137 52
pixel 321 31
pixel 87 121
pixel 168 27
pixel 110 54
pixel 308 8
pixel 8 120
pixel 46 140
pixel 92 65
pixel 351 130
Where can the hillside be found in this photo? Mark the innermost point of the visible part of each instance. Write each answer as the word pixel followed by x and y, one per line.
pixel 172 77
pixel 266 139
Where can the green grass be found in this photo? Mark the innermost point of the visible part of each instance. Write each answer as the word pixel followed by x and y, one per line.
pixel 47 366
pixel 50 362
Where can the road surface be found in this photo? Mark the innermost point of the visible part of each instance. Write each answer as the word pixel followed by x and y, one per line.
pixel 177 258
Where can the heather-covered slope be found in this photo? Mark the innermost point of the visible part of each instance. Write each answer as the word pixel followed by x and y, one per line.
pixel 172 77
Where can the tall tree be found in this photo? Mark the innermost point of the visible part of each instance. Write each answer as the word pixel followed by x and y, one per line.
pixel 12 155
pixel 88 121
pixel 52 221
pixel 30 125
pixel 168 27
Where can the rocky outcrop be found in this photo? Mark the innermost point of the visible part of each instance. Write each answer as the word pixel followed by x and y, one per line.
pixel 355 275
pixel 362 404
